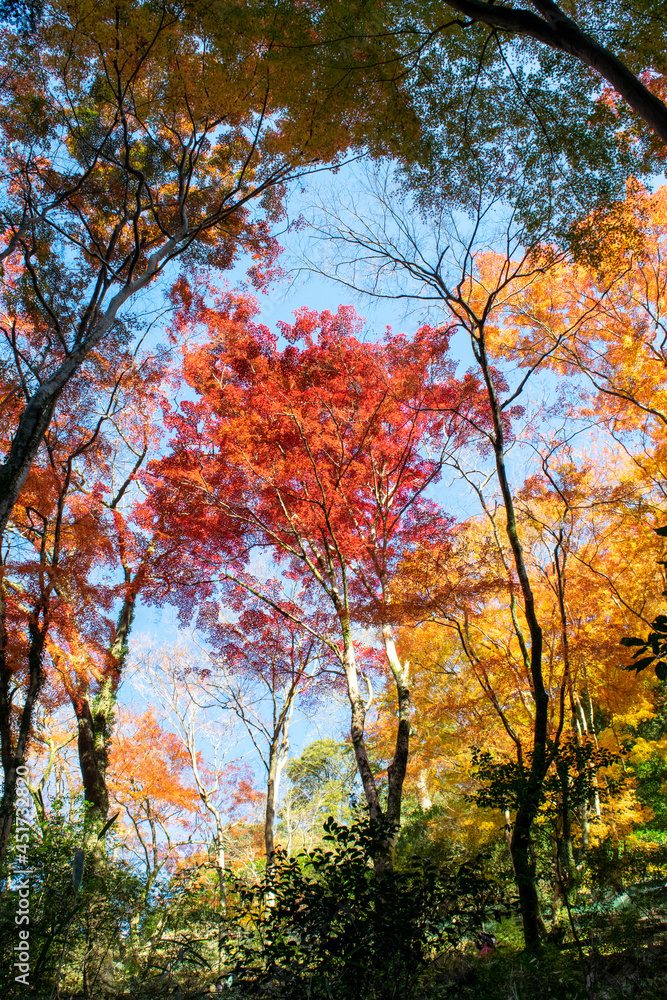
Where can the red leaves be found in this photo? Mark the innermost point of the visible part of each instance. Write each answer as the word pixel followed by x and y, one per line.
pixel 321 452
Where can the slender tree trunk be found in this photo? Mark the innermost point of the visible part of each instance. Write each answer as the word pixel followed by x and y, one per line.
pixel 277 753
pixel 591 804
pixel 94 724
pixel 94 717
pixel 36 789
pixel 508 834
pixel 270 811
pixel 220 862
pixel 522 854
pixel 278 750
pixel 423 797
pixel 567 851
pixel 14 751
pixel 398 767
pixel 585 807
pixel 565 864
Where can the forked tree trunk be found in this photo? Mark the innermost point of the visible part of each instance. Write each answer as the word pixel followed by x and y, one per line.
pixel 398 767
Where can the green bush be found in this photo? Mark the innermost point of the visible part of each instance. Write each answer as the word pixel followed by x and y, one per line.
pixel 115 931
pixel 329 924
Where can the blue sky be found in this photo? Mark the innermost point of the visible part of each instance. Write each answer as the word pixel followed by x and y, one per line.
pixel 301 288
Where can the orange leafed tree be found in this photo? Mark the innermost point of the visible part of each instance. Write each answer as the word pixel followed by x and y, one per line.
pixel 150 780
pixel 73 566
pixel 593 563
pixel 602 328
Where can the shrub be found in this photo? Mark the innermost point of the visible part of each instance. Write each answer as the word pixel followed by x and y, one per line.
pixel 327 924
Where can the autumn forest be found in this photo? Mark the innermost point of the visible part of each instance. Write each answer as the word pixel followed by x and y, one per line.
pixel 333 526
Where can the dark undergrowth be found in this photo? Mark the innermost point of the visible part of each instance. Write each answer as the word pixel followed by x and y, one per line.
pixel 331 925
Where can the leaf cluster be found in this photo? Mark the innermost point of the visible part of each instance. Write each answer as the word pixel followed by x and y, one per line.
pixel 651 651
pixel 507 784
pixel 328 923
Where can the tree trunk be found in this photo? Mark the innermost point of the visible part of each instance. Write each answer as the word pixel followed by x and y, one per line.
pixel 94 734
pixel 398 767
pixel 588 807
pixel 566 871
pixel 522 859
pixel 276 760
pixel 358 722
pixel 93 739
pixel 524 872
pixel 278 750
pixel 423 797
pixel 220 862
pixel 95 721
pixel 14 752
pixel 508 834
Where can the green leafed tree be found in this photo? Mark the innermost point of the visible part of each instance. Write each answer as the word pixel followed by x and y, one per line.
pixel 322 784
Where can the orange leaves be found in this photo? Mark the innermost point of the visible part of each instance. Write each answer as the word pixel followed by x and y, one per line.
pixel 149 764
pixel 605 324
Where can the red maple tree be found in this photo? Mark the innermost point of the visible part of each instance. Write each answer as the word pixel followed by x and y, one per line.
pixel 320 454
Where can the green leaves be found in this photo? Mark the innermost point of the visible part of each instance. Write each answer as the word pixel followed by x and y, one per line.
pixel 651 651
pixel 506 784
pixel 326 925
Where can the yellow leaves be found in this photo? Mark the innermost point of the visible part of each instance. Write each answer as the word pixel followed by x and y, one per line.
pixel 643 750
pixel 605 322
pixel 473 828
pixel 621 814
pixel 471 686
